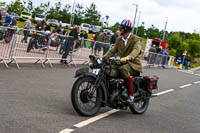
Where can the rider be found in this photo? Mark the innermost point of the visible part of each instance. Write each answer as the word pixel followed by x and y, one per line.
pixel 129 48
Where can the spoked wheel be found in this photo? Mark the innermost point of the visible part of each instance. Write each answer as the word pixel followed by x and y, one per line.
pixel 8 37
pixel 30 45
pixel 86 98
pixel 140 105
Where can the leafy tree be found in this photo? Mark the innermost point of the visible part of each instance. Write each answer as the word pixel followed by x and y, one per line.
pixel 43 8
pixel 152 32
pixel 175 42
pixel 79 14
pixel 115 27
pixel 193 47
pixel 17 6
pixel 92 16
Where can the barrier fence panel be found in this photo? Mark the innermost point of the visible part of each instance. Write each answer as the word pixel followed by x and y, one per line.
pixel 154 59
pixel 30 45
pixel 26 45
pixel 6 42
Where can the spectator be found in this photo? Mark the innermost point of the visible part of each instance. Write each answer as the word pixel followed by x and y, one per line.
pixel 164 57
pixel 27 27
pixel 14 21
pixel 187 61
pixel 47 28
pixel 158 49
pixel 8 19
pixel 58 29
pixel 0 17
pixel 40 25
pixel 65 32
pixel 73 36
pixel 152 55
pixel 153 49
pixel 85 36
pixel 114 37
pixel 92 43
pixel 106 46
pixel 99 37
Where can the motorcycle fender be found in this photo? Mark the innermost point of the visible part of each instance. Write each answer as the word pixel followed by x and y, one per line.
pixel 89 74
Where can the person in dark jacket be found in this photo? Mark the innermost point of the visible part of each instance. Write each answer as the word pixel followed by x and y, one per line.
pixel 73 36
pixel 85 36
pixel 0 17
pixel 114 37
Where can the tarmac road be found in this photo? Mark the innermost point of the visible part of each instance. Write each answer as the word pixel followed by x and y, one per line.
pixel 38 101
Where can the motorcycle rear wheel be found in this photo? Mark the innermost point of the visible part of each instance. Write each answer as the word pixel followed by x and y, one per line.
pixel 81 98
pixel 140 106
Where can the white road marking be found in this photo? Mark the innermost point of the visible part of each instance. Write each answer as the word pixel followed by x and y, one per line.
pixel 66 130
pixel 185 86
pixel 197 82
pixel 163 92
pixel 93 119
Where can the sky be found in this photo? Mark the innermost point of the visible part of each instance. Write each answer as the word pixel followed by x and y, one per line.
pixel 182 15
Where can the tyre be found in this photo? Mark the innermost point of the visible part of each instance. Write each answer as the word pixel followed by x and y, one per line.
pixel 30 45
pixel 85 98
pixel 8 37
pixel 61 50
pixel 140 106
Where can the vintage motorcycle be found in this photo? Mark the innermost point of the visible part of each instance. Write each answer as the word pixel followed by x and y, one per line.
pixel 103 87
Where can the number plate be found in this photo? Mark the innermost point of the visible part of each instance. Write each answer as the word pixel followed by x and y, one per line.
pixel 96 71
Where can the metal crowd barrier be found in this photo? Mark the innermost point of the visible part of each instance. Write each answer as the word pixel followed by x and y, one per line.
pixel 159 60
pixel 43 47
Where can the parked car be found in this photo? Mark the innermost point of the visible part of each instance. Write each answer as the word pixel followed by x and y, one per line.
pixel 25 15
pixel 12 14
pixel 52 22
pixel 85 27
pixel 107 30
pixel 94 29
pixel 39 17
pixel 65 24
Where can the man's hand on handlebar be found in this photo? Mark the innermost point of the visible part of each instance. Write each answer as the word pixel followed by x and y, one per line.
pixel 125 59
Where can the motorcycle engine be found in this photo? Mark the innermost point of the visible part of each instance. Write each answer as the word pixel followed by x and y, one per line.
pixel 116 87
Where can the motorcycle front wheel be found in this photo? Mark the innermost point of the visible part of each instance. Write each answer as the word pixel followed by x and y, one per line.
pixel 85 97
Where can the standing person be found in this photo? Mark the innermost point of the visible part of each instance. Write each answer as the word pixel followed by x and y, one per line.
pixel 58 29
pixel 27 27
pixel 152 54
pixel 14 21
pixel 8 19
pixel 85 36
pixel 129 48
pixel 114 37
pixel 40 25
pixel 0 17
pixel 73 36
pixel 92 43
pixel 188 60
pixel 65 32
pixel 99 37
pixel 47 28
pixel 106 46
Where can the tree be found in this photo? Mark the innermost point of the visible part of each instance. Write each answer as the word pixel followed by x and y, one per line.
pixel 17 6
pixel 152 32
pixel 175 42
pixel 141 30
pixel 30 6
pixel 79 14
pixel 193 47
pixel 55 12
pixel 43 8
pixel 92 15
pixel 115 27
